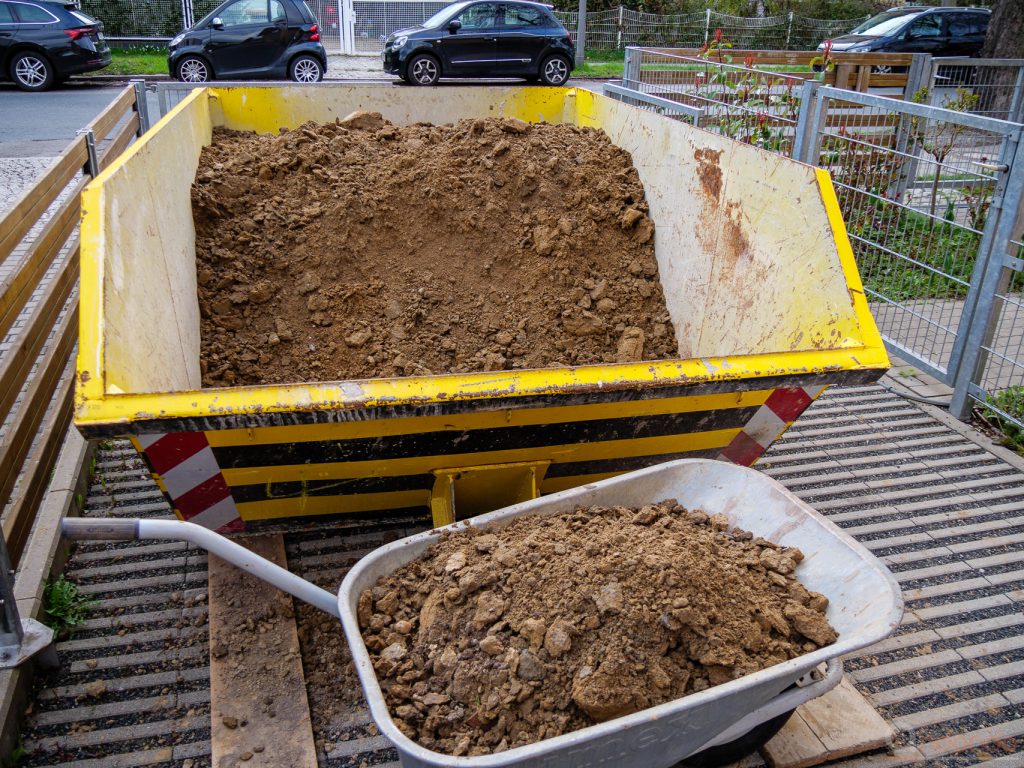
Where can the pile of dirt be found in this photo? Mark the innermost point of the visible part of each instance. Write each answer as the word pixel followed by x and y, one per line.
pixel 493 640
pixel 360 249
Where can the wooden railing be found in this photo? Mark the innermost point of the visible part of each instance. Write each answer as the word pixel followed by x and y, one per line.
pixel 36 379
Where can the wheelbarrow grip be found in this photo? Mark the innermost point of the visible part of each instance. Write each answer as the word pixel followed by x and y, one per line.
pixel 83 529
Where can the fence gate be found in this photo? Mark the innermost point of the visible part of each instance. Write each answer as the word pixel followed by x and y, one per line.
pixel 930 205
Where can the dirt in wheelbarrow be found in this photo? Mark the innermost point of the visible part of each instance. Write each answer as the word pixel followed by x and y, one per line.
pixel 361 249
pixel 493 640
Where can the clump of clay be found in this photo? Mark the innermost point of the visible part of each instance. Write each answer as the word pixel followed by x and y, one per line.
pixel 496 639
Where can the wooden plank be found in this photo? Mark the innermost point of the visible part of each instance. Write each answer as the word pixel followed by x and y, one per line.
pixel 863 79
pixel 25 422
pixel 839 724
pixel 21 515
pixel 112 115
pixel 17 287
pixel 124 137
pixel 29 340
pixel 256 669
pixel 36 199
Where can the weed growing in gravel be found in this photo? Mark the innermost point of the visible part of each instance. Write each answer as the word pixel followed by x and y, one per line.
pixel 65 607
pixel 1006 415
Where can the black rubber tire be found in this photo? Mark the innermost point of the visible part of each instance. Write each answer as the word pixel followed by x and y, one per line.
pixel 306 69
pixel 193 69
pixel 32 71
pixel 737 749
pixel 423 69
pixel 554 70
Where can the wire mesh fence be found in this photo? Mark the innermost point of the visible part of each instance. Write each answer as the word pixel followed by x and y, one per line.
pixel 997 85
pixel 373 20
pixel 752 105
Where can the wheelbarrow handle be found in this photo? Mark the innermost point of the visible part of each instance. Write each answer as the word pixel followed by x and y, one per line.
pixel 113 529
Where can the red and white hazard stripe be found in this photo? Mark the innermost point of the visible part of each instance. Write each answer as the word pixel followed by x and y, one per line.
pixel 188 471
pixel 768 423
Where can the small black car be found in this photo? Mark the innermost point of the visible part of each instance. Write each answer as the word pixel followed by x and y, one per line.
pixel 251 39
pixel 483 39
pixel 919 29
pixel 42 43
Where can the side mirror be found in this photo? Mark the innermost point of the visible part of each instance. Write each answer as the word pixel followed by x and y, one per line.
pixel 217 23
pixel 454 26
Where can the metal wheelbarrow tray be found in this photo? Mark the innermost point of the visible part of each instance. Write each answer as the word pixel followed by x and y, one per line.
pixel 865 605
pixel 758 275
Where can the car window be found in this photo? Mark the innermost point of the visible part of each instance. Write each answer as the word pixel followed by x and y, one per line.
pixel 979 23
pixel 307 13
pixel 481 16
pixel 33 14
pixel 245 12
pixel 960 25
pixel 6 14
pixel 277 12
pixel 883 24
pixel 926 26
pixel 523 16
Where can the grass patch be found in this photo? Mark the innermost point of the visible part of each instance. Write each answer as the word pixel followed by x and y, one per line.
pixel 64 607
pixel 592 68
pixel 136 61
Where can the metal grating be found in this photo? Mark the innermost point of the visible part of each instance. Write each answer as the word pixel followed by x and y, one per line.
pixel 946 515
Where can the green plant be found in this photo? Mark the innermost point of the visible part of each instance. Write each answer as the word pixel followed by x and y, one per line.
pixel 1007 415
pixel 15 757
pixel 64 607
pixel 937 137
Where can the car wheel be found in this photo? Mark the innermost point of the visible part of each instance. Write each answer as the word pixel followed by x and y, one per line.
pixel 554 70
pixel 423 69
pixel 32 71
pixel 881 69
pixel 306 69
pixel 193 69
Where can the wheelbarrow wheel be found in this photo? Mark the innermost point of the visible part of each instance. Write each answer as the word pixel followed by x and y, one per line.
pixel 737 749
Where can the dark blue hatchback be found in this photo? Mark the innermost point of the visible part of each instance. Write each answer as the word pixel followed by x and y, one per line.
pixel 251 39
pixel 483 39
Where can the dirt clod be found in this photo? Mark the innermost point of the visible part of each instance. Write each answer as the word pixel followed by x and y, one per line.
pixel 556 623
pixel 360 249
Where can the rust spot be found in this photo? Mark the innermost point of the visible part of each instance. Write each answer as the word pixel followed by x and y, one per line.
pixel 709 171
pixel 84 376
pixel 734 242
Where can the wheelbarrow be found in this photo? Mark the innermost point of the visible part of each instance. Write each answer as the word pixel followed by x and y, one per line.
pixel 705 728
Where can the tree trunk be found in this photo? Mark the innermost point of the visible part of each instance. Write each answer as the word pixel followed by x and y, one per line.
pixel 1004 40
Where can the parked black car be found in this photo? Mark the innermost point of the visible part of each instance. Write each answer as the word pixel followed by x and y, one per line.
pixel 919 29
pixel 483 39
pixel 251 39
pixel 42 43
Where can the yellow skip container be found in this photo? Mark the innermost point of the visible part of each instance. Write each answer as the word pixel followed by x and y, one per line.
pixel 754 260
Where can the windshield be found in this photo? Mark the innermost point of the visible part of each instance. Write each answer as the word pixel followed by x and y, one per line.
pixel 444 13
pixel 884 23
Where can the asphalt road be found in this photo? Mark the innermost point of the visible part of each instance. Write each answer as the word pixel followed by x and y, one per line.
pixel 41 124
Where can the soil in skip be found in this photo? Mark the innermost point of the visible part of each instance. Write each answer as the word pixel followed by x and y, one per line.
pixel 361 249
pixel 496 639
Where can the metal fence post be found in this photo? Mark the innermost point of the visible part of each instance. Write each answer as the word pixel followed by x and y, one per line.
pixel 981 307
pixel 581 33
pixel 707 25
pixel 20 639
pixel 802 138
pixel 631 70
pixel 789 30
pixel 92 162
pixel 618 29
pixel 141 105
pixel 1016 113
pixel 347 17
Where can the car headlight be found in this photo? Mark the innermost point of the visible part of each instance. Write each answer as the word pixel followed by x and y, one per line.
pixel 177 40
pixel 400 41
pixel 860 47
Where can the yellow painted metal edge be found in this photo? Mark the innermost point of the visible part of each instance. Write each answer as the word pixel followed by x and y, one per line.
pixel 423 390
pixel 868 328
pixel 416 465
pixel 90 366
